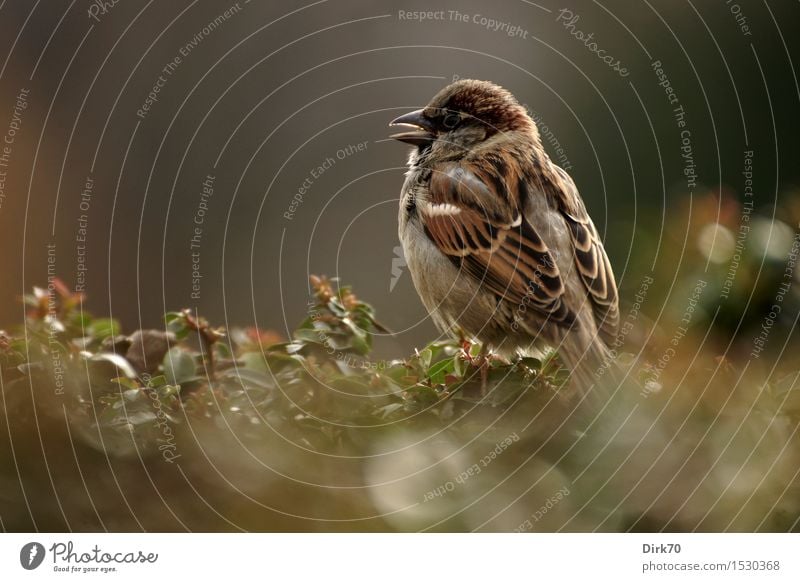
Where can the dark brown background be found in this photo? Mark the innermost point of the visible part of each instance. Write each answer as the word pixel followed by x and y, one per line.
pixel 290 89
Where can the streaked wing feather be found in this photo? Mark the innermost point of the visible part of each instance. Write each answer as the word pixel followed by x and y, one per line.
pixel 594 269
pixel 490 240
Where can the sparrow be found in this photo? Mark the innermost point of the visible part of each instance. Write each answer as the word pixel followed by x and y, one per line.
pixel 497 239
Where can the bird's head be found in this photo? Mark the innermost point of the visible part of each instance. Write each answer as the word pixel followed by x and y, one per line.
pixel 463 115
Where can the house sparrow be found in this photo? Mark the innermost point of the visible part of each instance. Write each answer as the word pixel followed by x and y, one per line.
pixel 496 236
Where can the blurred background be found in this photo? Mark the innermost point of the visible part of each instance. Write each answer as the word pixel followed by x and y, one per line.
pixel 265 96
pixel 213 155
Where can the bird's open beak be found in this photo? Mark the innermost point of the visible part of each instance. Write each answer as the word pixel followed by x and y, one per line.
pixel 425 129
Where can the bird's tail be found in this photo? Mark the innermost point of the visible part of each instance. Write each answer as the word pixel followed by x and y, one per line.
pixel 594 371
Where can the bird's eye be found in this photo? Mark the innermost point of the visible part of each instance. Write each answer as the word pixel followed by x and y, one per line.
pixel 451 120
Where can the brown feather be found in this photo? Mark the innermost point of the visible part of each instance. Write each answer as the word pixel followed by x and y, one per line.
pixel 490 239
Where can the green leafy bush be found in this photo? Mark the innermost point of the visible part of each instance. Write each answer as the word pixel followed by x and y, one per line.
pixel 196 427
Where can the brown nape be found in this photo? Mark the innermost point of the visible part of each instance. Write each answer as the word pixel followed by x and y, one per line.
pixel 484 101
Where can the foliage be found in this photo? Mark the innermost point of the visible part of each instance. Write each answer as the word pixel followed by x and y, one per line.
pixel 218 403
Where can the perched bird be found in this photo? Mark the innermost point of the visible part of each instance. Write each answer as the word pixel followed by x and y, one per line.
pixel 496 236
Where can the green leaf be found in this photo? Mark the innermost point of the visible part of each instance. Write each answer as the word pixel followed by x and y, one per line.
pixel 179 366
pixel 531 363
pixel 121 363
pixel 126 382
pixel 309 335
pixel 169 391
pixel 171 316
pixel 223 350
pixel 254 361
pixel 140 417
pixel 132 394
pixel 440 370
pixel 335 305
pixel 157 381
pixel 425 357
pixel 424 395
pixel 307 323
pixel 103 328
pixel 176 323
